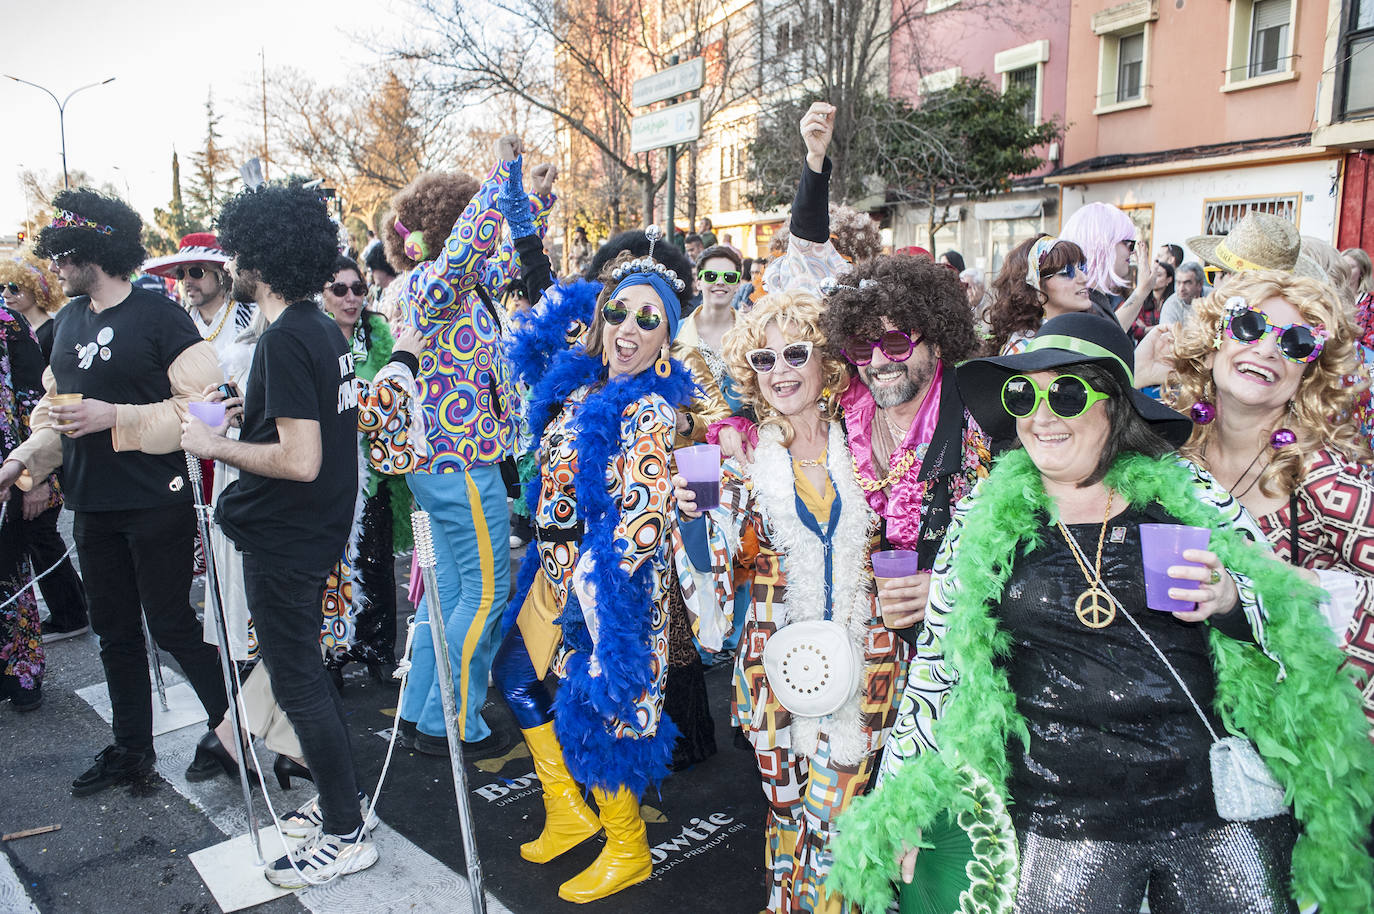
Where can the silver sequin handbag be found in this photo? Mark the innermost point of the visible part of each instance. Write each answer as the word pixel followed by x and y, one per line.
pixel 1243 787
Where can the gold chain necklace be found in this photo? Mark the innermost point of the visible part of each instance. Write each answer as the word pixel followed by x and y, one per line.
pixel 223 319
pixel 1089 608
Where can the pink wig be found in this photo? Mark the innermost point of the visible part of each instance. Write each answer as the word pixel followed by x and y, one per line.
pixel 1096 228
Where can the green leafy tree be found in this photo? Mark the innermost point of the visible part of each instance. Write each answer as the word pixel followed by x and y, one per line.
pixel 969 141
pixel 170 224
pixel 212 170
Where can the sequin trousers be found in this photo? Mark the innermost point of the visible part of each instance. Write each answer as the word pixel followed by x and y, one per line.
pixel 1239 868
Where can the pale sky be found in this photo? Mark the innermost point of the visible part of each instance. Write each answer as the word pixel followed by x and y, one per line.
pixel 165 56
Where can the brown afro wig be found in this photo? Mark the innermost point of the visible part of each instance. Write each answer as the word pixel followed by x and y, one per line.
pixel 430 204
pixel 917 295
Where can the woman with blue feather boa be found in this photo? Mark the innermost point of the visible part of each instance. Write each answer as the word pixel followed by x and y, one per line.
pixel 592 606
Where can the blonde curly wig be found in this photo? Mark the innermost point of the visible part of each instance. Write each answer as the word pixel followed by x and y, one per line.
pixel 798 316
pixel 1322 414
pixel 30 272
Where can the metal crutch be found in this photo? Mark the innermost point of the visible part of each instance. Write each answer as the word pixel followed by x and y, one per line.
pixel 155 660
pixel 424 555
pixel 226 663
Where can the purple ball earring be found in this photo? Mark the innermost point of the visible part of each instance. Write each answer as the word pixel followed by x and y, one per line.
pixel 1282 438
pixel 1202 412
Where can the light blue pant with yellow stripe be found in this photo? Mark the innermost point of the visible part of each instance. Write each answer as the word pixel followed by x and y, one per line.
pixel 471 526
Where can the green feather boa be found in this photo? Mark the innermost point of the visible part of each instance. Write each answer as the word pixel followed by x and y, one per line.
pixel 378 354
pixel 1309 727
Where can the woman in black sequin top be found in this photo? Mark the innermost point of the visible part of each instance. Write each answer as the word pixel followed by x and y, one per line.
pixel 1042 671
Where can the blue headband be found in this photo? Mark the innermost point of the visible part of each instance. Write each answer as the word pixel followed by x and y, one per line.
pixel 672 308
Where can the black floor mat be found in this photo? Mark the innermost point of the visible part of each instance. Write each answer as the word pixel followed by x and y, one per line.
pixel 705 825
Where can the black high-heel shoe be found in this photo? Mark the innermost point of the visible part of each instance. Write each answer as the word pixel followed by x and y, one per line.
pixel 212 759
pixel 286 768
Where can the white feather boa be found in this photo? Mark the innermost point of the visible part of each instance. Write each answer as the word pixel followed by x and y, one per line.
pixel 774 486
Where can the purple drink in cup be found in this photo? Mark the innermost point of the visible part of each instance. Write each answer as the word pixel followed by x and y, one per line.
pixel 212 414
pixel 1162 545
pixel 700 466
pixel 894 563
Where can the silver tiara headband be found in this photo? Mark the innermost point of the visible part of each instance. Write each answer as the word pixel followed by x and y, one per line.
pixel 648 264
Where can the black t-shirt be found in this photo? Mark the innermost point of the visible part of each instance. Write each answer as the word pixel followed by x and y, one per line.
pixel 1117 750
pixel 302 369
pixel 120 355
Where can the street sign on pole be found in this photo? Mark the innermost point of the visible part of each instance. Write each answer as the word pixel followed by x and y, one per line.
pixel 680 79
pixel 666 127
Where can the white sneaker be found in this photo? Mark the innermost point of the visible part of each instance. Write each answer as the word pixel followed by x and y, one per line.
pixel 306 821
pixel 323 858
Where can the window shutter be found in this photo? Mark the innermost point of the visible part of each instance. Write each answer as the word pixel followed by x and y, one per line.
pixel 1271 14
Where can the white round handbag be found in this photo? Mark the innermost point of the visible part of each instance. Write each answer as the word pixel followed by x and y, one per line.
pixel 812 667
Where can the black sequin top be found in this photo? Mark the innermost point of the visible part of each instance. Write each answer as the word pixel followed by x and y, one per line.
pixel 1117 751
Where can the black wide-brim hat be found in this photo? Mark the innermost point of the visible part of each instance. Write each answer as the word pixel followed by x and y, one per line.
pixel 1070 339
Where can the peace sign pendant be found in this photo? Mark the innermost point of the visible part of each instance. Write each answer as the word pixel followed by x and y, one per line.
pixel 1095 608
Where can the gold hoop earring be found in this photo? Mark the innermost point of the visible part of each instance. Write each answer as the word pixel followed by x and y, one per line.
pixel 662 366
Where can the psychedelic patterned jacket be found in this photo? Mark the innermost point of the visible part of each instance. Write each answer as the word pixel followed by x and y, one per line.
pixel 468 405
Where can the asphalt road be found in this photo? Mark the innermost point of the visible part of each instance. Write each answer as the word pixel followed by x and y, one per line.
pixel 127 849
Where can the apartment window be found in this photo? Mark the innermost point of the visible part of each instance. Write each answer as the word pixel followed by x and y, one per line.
pixel 1218 216
pixel 1130 66
pixel 1026 78
pixel 731 175
pixel 1123 74
pixel 1024 67
pixel 784 38
pixel 1269 36
pixel 1357 52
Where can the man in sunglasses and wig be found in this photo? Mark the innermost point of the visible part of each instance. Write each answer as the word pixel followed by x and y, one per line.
pixel 200 268
pixel 903 323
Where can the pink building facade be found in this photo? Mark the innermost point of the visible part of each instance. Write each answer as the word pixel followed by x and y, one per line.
pixel 1190 113
pixel 1022 43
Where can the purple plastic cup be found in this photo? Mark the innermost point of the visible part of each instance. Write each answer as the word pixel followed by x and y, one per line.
pixel 212 414
pixel 700 466
pixel 1162 545
pixel 895 563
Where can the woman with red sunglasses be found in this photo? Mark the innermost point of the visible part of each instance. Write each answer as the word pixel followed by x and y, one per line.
pixel 1261 365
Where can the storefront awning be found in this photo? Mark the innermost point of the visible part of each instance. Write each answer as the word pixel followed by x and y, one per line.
pixel 1008 209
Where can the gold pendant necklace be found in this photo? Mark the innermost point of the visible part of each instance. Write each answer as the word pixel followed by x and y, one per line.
pixel 1094 606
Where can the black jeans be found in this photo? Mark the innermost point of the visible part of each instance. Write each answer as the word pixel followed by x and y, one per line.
pixel 62 589
pixel 143 558
pixel 286 607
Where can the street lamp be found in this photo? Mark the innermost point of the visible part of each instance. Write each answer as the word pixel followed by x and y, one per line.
pixel 61 114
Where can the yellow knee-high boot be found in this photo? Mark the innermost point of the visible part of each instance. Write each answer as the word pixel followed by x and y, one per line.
pixel 568 820
pixel 624 861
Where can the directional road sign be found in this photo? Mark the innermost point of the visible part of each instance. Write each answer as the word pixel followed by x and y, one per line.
pixel 669 126
pixel 680 79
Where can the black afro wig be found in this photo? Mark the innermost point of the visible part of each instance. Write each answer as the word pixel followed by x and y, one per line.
pixel 283 231
pixel 637 243
pixel 100 229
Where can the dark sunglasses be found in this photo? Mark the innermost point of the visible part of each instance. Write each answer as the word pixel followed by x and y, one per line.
pixel 1068 396
pixel 340 289
pixel 614 313
pixel 1070 270
pixel 765 360
pixel 13 288
pixel 895 344
pixel 729 277
pixel 1214 274
pixel 194 272
pixel 1130 244
pixel 1296 342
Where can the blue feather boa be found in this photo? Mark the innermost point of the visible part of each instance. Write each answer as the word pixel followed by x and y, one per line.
pixel 586 707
